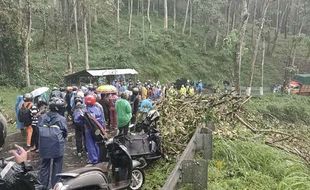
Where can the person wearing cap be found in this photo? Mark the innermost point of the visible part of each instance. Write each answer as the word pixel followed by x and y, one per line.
pixel 124 114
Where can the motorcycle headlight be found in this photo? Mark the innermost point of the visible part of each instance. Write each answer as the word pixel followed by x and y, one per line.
pixel 60 186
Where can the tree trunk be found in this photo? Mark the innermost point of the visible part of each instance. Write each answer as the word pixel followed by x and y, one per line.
pixel 158 8
pixel 138 7
pixel 174 13
pixel 256 47
pixel 143 22
pixel 27 39
pixel 217 34
pixel 295 47
pixel 186 15
pixel 233 22
pixel 118 22
pixel 240 45
pixel 76 26
pixel 277 32
pixel 228 17
pixel 85 35
pixel 190 18
pixel 148 14
pixel 89 23
pixel 44 33
pixel 95 16
pixel 253 24
pixel 130 19
pixel 55 24
pixel 69 63
pixel 278 16
pixel 262 71
pixel 166 15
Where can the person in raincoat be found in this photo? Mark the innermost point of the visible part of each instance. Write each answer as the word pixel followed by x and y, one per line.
pixel 112 98
pixel 191 91
pixel 52 134
pixel 144 92
pixel 124 114
pixel 183 91
pixel 91 145
pixel 18 105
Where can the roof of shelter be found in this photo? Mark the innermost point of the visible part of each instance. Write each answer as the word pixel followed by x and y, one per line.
pixel 104 72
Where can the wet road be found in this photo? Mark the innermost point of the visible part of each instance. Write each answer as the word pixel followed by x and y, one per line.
pixel 71 160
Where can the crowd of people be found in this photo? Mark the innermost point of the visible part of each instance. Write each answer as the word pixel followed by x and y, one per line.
pixel 45 118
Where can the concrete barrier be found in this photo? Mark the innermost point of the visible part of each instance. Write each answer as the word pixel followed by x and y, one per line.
pixel 189 170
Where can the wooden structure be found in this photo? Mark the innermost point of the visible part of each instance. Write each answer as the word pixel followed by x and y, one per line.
pixel 96 76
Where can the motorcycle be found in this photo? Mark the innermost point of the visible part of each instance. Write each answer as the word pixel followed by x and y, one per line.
pixel 121 172
pixel 144 140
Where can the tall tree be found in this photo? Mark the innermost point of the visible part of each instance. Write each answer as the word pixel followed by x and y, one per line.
pixel 148 14
pixel 76 25
pixel 262 68
pixel 174 13
pixel 166 15
pixel 186 15
pixel 191 18
pixel 256 47
pixel 130 19
pixel 143 21
pixel 229 3
pixel 85 14
pixel 253 22
pixel 68 32
pixel 45 31
pixel 118 23
pixel 25 37
pixel 240 45
pixel 278 30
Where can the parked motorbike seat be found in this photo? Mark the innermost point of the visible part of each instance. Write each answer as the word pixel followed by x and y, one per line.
pixel 102 167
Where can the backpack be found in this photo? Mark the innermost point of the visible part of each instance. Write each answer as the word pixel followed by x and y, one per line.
pixel 51 140
pixel 24 114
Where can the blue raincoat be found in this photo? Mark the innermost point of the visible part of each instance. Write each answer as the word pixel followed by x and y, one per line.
pixel 92 147
pixel 145 106
pixel 18 105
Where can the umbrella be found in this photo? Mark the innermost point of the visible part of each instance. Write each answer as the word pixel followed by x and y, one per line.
pixel 106 89
pixel 39 91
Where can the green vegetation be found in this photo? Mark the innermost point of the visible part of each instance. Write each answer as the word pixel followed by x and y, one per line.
pixel 163 56
pixel 251 165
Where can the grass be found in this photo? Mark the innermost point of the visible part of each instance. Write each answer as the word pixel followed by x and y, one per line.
pixel 251 165
pixel 7 104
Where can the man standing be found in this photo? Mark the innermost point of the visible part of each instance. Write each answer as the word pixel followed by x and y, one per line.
pixel 124 114
pixel 24 115
pixel 52 134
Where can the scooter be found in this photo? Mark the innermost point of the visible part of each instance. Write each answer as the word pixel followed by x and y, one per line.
pixel 144 140
pixel 121 172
